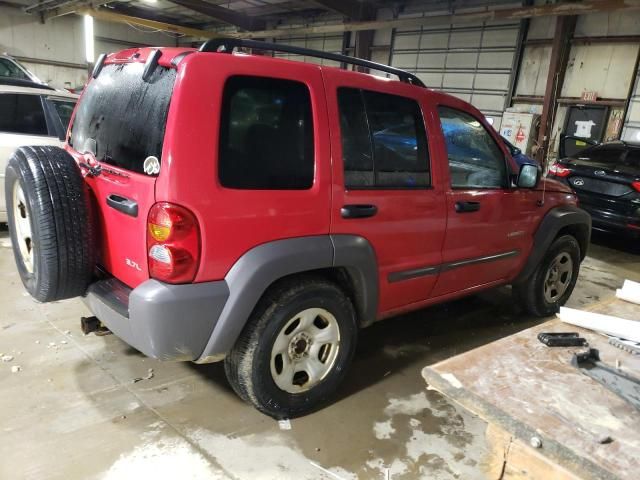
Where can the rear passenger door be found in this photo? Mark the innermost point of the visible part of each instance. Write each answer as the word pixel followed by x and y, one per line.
pixel 383 188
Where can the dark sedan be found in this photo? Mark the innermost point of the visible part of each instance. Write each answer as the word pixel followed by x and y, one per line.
pixel 606 178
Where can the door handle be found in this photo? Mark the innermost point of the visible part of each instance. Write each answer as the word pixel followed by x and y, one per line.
pixel 358 211
pixel 123 204
pixel 464 207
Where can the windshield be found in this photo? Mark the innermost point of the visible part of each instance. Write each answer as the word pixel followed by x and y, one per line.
pixel 121 118
pixel 9 69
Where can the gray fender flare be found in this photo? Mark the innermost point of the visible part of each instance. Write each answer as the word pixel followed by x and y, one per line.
pixel 576 220
pixel 261 266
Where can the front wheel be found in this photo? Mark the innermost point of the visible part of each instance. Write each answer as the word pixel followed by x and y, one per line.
pixel 295 349
pixel 551 284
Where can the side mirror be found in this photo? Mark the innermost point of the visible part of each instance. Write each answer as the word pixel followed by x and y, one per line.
pixel 529 176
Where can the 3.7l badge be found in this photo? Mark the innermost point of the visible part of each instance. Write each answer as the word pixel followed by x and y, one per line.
pixel 132 264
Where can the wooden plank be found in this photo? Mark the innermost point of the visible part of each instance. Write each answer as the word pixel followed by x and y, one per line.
pixel 529 389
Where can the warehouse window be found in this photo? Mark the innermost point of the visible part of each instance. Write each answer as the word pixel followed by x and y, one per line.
pixel 384 144
pixel 475 160
pixel 266 135
pixel 22 114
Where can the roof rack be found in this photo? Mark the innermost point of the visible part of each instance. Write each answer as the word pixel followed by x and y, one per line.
pixel 227 45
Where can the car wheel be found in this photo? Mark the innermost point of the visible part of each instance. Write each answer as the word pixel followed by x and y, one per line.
pixel 295 349
pixel 48 220
pixel 551 284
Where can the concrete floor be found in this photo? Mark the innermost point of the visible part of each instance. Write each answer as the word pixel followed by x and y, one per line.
pixel 74 411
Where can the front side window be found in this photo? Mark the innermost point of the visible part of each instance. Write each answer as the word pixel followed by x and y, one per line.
pixel 22 114
pixel 475 160
pixel 266 135
pixel 384 142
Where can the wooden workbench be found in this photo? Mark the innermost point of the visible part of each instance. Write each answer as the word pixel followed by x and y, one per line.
pixel 525 389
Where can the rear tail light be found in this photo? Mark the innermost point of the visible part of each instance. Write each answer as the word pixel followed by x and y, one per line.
pixel 173 243
pixel 636 185
pixel 559 170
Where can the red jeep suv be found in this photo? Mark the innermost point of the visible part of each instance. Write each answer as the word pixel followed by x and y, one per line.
pixel 216 205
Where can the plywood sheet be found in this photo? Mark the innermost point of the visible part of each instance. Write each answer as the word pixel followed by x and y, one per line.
pixel 529 389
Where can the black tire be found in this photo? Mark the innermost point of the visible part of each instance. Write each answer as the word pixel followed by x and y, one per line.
pixel 60 262
pixel 248 365
pixel 531 293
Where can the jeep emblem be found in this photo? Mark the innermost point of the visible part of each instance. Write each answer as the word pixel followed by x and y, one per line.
pixel 151 165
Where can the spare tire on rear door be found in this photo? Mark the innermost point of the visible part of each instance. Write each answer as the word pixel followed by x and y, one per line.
pixel 48 217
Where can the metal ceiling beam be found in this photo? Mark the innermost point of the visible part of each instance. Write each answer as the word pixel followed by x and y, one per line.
pixel 111 16
pixel 237 19
pixel 558 9
pixel 352 9
pixel 498 14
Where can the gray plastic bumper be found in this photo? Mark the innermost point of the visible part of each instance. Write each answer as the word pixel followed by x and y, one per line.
pixel 167 322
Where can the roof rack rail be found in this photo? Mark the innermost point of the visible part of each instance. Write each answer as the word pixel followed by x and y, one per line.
pixel 227 45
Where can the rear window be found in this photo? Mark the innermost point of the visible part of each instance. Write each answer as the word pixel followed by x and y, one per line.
pixel 22 114
pixel 121 118
pixel 602 154
pixel 266 135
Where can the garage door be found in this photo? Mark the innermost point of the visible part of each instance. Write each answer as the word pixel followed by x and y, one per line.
pixel 324 43
pixel 473 63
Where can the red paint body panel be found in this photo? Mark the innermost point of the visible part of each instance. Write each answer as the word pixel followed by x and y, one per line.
pixel 413 229
pixel 234 221
pixel 408 230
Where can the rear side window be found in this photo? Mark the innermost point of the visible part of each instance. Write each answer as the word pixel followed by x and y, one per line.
pixel 121 118
pixel 64 109
pixel 475 160
pixel 266 135
pixel 22 114
pixel 384 143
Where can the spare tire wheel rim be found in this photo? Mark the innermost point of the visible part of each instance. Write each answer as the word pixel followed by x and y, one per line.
pixel 305 350
pixel 22 226
pixel 558 277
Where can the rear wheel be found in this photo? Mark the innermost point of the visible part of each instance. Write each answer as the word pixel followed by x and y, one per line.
pixel 49 222
pixel 551 284
pixel 295 349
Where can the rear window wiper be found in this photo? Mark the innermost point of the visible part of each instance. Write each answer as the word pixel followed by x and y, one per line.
pixel 91 171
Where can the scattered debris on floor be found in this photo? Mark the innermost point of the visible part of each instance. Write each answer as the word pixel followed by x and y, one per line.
pixel 16 368
pixel 7 358
pixel 609 324
pixel 284 424
pixel 148 376
pixel 629 292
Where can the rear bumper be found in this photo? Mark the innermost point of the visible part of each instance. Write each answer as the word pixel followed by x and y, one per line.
pixel 612 221
pixel 163 321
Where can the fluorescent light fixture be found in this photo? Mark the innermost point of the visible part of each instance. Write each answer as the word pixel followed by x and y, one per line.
pixel 88 38
pixel 150 1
